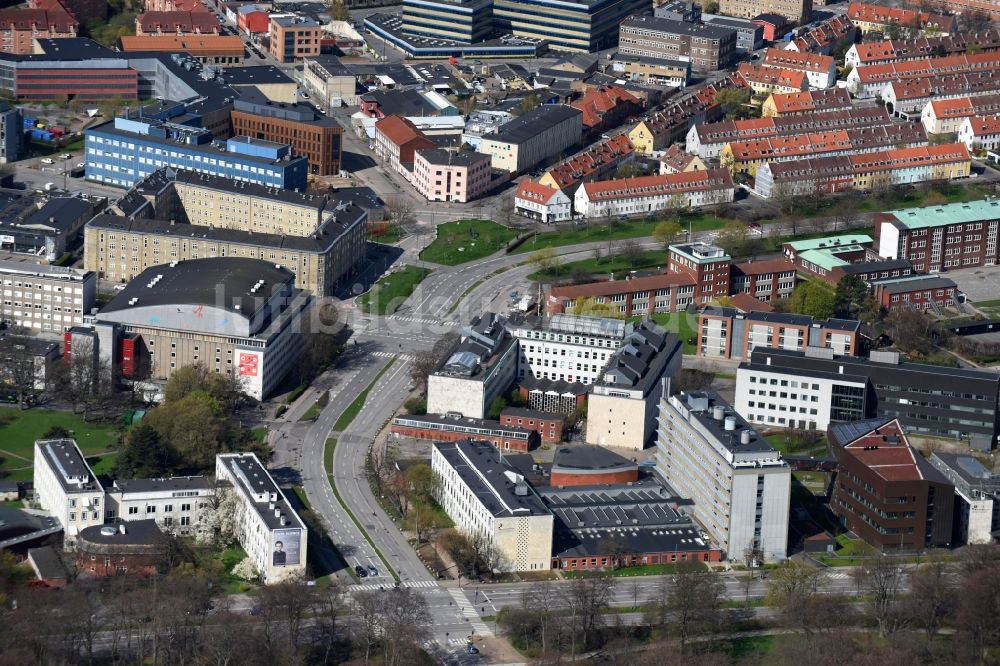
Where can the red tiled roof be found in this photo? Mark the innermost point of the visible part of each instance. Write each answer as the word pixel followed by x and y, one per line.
pixel 194 44
pixel 985 125
pixel 398 129
pixel 600 100
pixel 772 76
pixel 812 100
pixel 887 452
pixel 647 186
pixel 766 266
pixel 182 21
pixel 612 287
pixel 748 303
pixel 928 67
pixel 859 11
pixel 579 167
pixel 797 61
pixel 960 107
pixel 675 157
pixel 55 20
pixel 533 191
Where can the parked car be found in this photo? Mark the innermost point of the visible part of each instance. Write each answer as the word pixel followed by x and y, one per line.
pixel 48 160
pixel 372 571
pixel 65 156
pixel 360 570
pixel 472 649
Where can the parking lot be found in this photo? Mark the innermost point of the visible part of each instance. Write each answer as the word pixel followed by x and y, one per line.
pixel 978 284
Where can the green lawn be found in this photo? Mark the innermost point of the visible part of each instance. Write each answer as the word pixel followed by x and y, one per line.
pixel 312 412
pixel 20 428
pixel 260 433
pixel 466 240
pixel 681 323
pixel 604 265
pixel 790 443
pixel 300 492
pixel 384 232
pixel 355 407
pixel 391 290
pixel 951 193
pixel 617 231
pixel 103 465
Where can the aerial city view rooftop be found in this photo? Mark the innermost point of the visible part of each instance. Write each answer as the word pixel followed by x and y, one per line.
pixel 499 332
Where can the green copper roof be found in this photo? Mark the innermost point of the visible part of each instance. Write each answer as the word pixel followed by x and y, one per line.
pixel 956 213
pixel 829 242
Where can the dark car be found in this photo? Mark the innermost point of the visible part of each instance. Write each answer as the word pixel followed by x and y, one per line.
pixel 372 571
pixel 472 649
pixel 360 570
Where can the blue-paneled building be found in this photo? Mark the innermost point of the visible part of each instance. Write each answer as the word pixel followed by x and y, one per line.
pixel 126 150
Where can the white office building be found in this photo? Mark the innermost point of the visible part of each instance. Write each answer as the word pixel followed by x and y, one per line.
pixel 489 500
pixel 977 496
pixel 66 487
pixel 740 485
pixel 46 298
pixel 566 347
pixel 271 533
pixel 180 505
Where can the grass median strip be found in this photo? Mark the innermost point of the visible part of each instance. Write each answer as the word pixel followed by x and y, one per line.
pixel 355 407
pixel 392 290
pixel 331 445
pixel 463 241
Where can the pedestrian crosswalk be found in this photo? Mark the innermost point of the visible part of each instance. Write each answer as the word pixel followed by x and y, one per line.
pixel 838 575
pixel 368 587
pixel 469 613
pixel 422 320
pixel 385 354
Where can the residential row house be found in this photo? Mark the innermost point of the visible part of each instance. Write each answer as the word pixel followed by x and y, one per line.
pixel 808 101
pixel 543 203
pixel 908 98
pixel 863 171
pixel 825 37
pixel 878 18
pixel 820 70
pixel 606 107
pixel 708 139
pixel 894 50
pixel 658 130
pixel 596 162
pixel 869 80
pixel 748 156
pixel 945 116
pixel 771 80
pixel 980 132
pixel 646 195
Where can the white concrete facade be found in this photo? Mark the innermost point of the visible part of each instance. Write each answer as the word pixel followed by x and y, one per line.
pixel 557 352
pixel 741 497
pixel 66 487
pixel 46 298
pixel 787 400
pixel 266 524
pixel 179 505
pixel 521 535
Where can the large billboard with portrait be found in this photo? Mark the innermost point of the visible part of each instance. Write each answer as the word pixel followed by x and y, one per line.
pixel 286 547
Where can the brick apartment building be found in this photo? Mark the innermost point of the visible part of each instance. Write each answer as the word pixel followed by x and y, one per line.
pixel 549 426
pixel 294 38
pixel 667 292
pixel 19 27
pixel 709 266
pixel 916 292
pixel 935 238
pixel 768 281
pixel 725 332
pixel 177 23
pixel 309 133
pixel 709 47
pixel 885 492
pixel 797 11
pixel 450 428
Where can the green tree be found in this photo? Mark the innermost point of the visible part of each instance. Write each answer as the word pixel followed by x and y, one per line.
pixel 545 260
pixel 338 11
pixel 529 103
pixel 194 426
pixel 145 454
pixel 422 482
pixel 734 102
pixel 57 432
pixel 496 407
pixel 667 232
pixel 851 294
pixel 813 298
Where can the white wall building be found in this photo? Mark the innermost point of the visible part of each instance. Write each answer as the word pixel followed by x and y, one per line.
pixel 66 487
pixel 622 406
pixel 980 131
pixel 270 531
pixel 740 485
pixel 977 496
pixel 543 203
pixel 649 194
pixel 482 367
pixel 180 505
pixel 46 298
pixel 489 500
pixel 566 347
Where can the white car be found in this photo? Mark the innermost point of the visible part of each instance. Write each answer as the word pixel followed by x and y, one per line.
pixel 65 156
pixel 80 165
pixel 48 160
